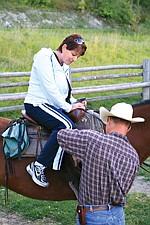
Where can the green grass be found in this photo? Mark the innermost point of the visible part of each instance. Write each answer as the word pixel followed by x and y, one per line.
pixel 103 48
pixel 63 212
pixel 143 172
pixel 136 211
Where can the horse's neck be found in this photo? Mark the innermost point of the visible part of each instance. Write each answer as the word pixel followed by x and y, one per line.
pixel 3 123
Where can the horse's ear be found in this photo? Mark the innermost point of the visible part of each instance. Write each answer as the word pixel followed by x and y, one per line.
pixel 76 115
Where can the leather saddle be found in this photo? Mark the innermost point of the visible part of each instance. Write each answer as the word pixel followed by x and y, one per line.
pixel 70 168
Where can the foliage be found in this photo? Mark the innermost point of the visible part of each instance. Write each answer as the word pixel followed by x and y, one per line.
pixel 124 12
pixel 38 2
pixel 117 10
pixel 59 4
pixel 44 4
pixel 81 5
pixel 127 12
pixel 145 4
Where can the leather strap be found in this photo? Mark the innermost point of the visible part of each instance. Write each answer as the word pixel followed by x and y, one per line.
pixel 81 210
pixel 81 214
pixel 97 208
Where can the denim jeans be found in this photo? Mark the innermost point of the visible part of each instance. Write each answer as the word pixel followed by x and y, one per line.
pixel 114 216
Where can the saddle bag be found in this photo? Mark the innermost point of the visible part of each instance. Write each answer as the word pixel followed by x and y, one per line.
pixel 15 139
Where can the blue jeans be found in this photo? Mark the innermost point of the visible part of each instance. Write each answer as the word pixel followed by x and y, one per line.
pixel 53 119
pixel 114 216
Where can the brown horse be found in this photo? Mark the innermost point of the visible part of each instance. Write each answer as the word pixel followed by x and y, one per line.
pixel 58 189
pixel 21 182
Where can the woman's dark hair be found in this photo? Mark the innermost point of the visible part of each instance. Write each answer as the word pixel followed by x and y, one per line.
pixel 74 41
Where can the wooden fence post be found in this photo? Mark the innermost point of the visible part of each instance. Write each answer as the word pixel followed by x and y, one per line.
pixel 146 78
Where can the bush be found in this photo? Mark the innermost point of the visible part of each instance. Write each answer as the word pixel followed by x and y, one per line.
pixel 118 11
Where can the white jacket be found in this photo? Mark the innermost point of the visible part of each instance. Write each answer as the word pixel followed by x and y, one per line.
pixel 48 82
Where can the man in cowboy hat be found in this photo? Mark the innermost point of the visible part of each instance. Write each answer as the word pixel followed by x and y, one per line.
pixel 109 166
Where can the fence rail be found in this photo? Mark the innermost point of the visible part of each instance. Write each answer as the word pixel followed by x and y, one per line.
pixel 144 84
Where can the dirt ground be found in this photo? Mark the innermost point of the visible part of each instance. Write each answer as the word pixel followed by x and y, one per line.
pixel 13 218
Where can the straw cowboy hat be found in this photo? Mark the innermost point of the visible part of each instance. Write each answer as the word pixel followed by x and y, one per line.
pixel 120 110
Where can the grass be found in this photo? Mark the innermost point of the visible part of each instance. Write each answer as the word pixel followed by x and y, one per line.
pixel 103 48
pixel 136 211
pixel 143 172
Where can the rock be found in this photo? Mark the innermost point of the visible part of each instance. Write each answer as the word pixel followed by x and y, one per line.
pixel 46 19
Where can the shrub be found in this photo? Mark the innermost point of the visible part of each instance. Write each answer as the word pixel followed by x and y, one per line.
pixel 118 11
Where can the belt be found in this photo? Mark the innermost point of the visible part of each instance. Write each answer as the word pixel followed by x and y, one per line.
pixel 96 208
pixel 81 210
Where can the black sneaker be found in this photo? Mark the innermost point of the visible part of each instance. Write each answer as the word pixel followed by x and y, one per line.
pixel 37 174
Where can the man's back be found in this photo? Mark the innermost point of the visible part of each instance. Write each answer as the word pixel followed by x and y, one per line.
pixel 109 165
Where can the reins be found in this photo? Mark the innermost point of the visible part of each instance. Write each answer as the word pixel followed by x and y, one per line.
pixel 91 108
pixel 94 110
pixel 145 164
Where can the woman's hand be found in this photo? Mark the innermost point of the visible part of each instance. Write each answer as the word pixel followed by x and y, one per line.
pixel 78 105
pixel 83 101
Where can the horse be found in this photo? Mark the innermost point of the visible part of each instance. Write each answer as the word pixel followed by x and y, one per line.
pixel 59 189
pixel 20 182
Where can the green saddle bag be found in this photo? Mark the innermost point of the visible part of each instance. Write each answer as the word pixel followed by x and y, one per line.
pixel 15 139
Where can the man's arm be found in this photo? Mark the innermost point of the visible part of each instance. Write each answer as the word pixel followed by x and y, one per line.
pixel 74 141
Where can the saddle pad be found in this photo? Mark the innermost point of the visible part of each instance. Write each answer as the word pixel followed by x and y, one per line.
pixel 38 136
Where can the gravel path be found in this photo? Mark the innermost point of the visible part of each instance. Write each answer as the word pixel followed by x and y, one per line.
pixel 13 218
pixel 140 186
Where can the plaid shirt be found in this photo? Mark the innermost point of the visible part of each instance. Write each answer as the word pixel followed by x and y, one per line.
pixel 109 165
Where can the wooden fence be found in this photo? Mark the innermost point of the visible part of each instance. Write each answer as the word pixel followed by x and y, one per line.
pixel 142 71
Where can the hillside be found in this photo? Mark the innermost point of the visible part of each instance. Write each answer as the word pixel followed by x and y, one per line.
pixel 128 15
pixel 47 19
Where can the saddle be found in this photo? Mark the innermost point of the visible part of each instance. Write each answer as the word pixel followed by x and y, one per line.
pixel 38 136
pixel 70 167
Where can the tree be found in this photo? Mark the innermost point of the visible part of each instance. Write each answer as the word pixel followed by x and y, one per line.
pixel 82 6
pixel 119 11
